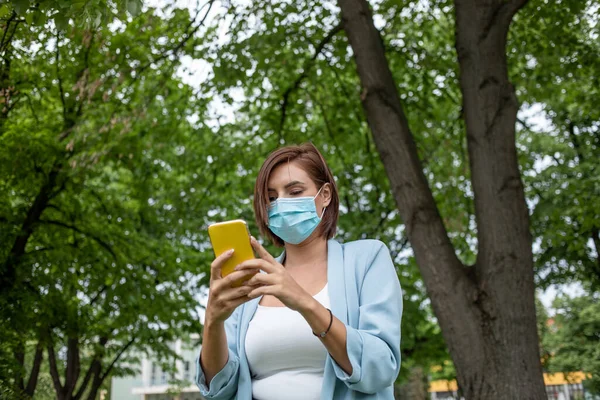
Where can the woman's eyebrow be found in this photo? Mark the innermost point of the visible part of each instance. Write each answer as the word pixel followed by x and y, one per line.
pixel 287 185
pixel 292 183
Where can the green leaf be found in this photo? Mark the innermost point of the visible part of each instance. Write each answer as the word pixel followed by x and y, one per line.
pixel 61 21
pixel 134 7
pixel 39 18
pixel 97 19
pixel 4 10
pixel 21 6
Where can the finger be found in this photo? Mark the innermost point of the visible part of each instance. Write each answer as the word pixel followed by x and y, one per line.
pixel 257 263
pixel 235 293
pixel 262 253
pixel 221 285
pixel 234 276
pixel 261 279
pixel 233 304
pixel 263 290
pixel 215 266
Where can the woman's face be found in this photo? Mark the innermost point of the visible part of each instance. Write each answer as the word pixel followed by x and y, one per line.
pixel 290 180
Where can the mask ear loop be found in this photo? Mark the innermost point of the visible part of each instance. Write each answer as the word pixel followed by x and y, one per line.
pixel 319 191
pixel 323 213
pixel 324 208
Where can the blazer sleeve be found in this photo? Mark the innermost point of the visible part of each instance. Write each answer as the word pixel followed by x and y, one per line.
pixel 374 348
pixel 224 384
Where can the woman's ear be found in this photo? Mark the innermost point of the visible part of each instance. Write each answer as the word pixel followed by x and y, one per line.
pixel 326 193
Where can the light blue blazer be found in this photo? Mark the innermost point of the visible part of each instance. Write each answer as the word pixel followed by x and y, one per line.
pixel 365 295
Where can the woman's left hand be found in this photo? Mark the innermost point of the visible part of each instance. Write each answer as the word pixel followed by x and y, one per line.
pixel 276 282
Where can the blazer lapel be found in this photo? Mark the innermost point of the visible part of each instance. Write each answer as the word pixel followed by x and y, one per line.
pixel 337 299
pixel 336 280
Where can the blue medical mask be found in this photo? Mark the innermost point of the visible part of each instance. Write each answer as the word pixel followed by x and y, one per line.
pixel 294 219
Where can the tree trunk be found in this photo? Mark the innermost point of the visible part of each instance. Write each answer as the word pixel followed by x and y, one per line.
pixel 21 370
pixel 486 311
pixel 54 373
pixel 73 366
pixel 19 354
pixel 96 381
pixel 6 89
pixel 99 378
pixel 9 271
pixel 35 369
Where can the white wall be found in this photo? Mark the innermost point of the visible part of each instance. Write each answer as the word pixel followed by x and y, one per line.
pixel 124 388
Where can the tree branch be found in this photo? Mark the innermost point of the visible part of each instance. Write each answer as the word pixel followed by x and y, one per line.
pixel 94 369
pixel 180 45
pixel 8 21
pixel 13 32
pixel 7 274
pixel 100 201
pixel 31 107
pixel 73 365
pixel 524 124
pixel 81 74
pixel 60 84
pixel 97 296
pixel 54 369
pixel 305 69
pixel 41 249
pixel 116 359
pixel 403 245
pixel 575 141
pixel 340 154
pixel 19 354
pixel 100 241
pixel 94 366
pixel 596 240
pixel 35 369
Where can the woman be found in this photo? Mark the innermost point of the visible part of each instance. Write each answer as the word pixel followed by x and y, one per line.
pixel 323 319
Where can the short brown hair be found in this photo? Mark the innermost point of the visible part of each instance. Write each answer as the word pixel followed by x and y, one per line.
pixel 310 160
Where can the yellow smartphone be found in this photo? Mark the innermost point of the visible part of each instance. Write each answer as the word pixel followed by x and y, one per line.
pixel 231 235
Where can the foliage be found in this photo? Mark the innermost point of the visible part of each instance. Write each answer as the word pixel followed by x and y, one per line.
pixel 94 12
pixel 106 178
pixel 573 337
pixel 555 59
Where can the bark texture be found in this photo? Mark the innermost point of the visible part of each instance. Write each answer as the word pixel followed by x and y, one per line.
pixel 486 311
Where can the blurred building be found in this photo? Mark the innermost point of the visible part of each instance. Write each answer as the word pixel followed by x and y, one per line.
pixel 153 383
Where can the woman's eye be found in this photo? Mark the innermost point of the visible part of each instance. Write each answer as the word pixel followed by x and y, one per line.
pixel 295 192
pixel 272 199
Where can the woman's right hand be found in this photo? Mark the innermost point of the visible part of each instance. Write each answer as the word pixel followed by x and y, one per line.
pixel 222 298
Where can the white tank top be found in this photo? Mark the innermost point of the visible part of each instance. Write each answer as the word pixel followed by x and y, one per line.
pixel 286 360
